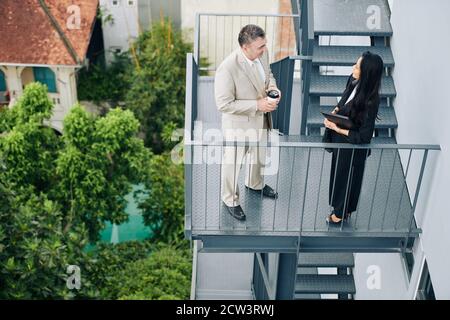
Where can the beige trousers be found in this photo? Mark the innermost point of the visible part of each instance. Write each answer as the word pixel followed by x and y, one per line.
pixel 233 159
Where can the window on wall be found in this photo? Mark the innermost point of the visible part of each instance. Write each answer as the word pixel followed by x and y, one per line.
pixel 131 3
pixel 425 291
pixel 115 3
pixel 2 81
pixel 45 76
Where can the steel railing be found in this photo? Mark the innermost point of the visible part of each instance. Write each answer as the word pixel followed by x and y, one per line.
pixel 216 36
pixel 391 168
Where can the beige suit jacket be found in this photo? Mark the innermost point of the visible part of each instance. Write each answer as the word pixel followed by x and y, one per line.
pixel 237 89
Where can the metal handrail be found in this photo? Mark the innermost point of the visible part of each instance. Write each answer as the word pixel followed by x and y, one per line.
pixel 199 147
pixel 198 34
pixel 314 145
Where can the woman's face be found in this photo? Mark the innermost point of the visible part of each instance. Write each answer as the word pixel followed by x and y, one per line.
pixel 357 69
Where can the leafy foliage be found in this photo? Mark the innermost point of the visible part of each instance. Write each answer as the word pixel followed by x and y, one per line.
pixel 157 91
pixel 105 83
pixel 109 260
pixel 163 209
pixel 57 192
pixel 165 275
pixel 35 249
pixel 101 159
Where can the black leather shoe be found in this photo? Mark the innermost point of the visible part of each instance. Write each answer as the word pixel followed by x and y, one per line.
pixel 236 212
pixel 266 191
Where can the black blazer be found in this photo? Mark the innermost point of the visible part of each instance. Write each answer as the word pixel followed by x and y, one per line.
pixel 360 134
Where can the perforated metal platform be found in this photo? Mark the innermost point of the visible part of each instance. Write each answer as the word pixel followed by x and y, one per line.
pixel 335 85
pixel 297 208
pixel 351 17
pixel 325 260
pixel 348 55
pixel 325 284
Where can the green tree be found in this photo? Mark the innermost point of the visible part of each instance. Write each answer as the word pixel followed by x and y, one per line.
pixel 164 275
pixel 35 250
pixel 108 260
pixel 157 84
pixel 100 161
pixel 57 192
pixel 163 207
pixel 102 83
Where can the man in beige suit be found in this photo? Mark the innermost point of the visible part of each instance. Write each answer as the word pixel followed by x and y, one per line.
pixel 241 85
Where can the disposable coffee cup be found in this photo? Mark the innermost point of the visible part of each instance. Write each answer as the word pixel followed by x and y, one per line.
pixel 273 95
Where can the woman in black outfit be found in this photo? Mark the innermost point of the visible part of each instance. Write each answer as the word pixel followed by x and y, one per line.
pixel 360 102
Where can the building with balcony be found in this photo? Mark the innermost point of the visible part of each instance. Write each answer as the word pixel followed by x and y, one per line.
pixel 45 41
pixel 393 246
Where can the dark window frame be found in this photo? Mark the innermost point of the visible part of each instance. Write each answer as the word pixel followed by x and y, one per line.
pixel 425 291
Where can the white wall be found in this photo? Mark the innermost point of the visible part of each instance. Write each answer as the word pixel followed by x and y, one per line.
pixel 124 28
pixel 64 98
pixel 224 276
pixel 421 51
pixel 380 276
pixel 67 95
pixel 189 8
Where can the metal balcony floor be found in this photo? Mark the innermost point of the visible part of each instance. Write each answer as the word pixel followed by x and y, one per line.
pixel 387 212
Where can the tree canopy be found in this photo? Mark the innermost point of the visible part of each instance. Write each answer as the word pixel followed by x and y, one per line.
pixel 57 192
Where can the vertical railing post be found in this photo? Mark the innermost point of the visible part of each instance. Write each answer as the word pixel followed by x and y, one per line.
pixel 197 39
pixel 302 213
pixel 404 186
pixel 190 115
pixel 416 196
pixel 307 24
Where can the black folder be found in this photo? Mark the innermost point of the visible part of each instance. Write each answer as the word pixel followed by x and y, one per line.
pixel 341 121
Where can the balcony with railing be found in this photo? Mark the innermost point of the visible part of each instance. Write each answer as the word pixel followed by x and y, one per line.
pixel 300 167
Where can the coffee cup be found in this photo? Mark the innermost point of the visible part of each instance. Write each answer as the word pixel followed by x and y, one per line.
pixel 273 95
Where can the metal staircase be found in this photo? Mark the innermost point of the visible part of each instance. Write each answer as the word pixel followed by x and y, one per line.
pixel 320 93
pixel 310 284
pixel 289 237
pixel 346 18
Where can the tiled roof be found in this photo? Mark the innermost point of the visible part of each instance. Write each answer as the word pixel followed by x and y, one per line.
pixel 28 36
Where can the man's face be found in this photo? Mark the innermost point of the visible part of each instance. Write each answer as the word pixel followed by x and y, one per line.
pixel 255 49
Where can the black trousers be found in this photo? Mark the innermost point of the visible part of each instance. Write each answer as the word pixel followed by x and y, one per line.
pixel 346 180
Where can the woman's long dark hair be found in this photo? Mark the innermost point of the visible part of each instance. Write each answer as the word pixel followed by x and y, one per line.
pixel 369 84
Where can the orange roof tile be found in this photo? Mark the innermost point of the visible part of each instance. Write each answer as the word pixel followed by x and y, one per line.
pixel 27 35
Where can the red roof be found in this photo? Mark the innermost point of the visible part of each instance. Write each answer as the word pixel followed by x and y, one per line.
pixel 28 36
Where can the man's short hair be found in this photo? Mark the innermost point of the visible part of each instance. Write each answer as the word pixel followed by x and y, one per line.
pixel 250 33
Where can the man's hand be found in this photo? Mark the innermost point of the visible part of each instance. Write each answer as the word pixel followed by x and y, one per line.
pixel 266 106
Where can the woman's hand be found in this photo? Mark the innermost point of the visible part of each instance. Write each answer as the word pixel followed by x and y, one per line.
pixel 330 125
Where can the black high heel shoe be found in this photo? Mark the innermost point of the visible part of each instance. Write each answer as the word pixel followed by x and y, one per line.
pixel 329 220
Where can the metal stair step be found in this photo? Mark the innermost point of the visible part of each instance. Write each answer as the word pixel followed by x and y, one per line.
pixel 348 55
pixel 301 296
pixel 325 260
pixel 351 17
pixel 325 284
pixel 387 116
pixel 334 86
